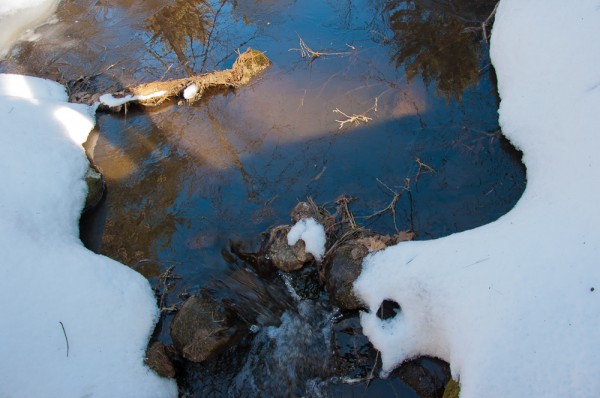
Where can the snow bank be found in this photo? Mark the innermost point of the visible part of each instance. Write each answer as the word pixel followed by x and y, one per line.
pixel 49 280
pixel 514 306
pixel 17 16
pixel 313 235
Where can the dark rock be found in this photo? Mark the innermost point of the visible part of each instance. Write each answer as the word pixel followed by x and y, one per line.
pixel 345 264
pixel 202 329
pixel 428 377
pixel 159 360
pixel 305 282
pixel 283 256
pixel 341 272
pixel 96 187
pixel 257 259
pixel 353 355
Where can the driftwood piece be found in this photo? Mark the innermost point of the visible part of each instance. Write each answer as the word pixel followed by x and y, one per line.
pixel 246 66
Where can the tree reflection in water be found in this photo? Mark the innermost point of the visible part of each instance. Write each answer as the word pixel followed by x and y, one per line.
pixel 180 24
pixel 439 40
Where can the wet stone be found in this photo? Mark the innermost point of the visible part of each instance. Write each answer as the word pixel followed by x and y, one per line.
pixel 345 264
pixel 309 209
pixel 158 359
pixel 257 260
pixel 305 282
pixel 343 269
pixel 353 354
pixel 428 377
pixel 283 256
pixel 96 187
pixel 202 329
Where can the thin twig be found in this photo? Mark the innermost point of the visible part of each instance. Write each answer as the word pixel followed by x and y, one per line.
pixel 485 23
pixel 372 370
pixel 347 216
pixel 354 118
pixel 423 169
pixel 307 52
pixel 66 338
pixel 165 279
pixel 392 206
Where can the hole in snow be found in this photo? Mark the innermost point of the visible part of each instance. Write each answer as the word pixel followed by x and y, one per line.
pixel 388 309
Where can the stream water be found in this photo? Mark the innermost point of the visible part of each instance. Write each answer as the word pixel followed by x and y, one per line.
pixel 186 180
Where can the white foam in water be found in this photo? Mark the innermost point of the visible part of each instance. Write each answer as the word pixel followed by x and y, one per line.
pixel 290 359
pixel 514 306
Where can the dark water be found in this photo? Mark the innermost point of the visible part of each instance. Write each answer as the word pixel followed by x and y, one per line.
pixel 184 180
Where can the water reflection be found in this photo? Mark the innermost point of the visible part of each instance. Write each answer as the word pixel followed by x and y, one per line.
pixel 178 25
pixel 439 41
pixel 141 206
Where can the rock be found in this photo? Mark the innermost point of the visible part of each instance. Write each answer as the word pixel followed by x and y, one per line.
pixel 310 210
pixel 159 360
pixel 426 376
pixel 202 329
pixel 96 187
pixel 283 256
pixel 343 269
pixel 305 282
pixel 345 265
pixel 257 260
pixel 353 354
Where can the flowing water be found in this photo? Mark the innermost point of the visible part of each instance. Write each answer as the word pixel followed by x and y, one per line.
pixel 184 180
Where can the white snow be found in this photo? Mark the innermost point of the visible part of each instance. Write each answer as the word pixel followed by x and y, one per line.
pixel 313 235
pixel 190 91
pixel 111 101
pixel 49 280
pixel 17 16
pixel 514 306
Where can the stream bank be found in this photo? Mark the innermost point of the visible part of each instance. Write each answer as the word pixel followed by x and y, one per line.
pixel 184 181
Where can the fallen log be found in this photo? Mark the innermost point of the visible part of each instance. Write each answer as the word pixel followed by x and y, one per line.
pixel 246 66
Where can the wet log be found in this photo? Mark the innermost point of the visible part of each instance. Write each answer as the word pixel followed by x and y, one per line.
pixel 247 66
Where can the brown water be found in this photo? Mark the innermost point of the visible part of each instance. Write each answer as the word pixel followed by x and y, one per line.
pixel 184 180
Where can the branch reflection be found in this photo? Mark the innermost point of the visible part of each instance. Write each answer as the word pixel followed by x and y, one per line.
pixel 439 40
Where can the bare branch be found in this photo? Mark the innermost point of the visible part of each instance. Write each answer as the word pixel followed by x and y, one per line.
pixel 356 118
pixel 307 52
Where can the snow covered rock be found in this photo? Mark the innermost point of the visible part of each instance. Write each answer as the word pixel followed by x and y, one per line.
pixel 286 257
pixel 313 235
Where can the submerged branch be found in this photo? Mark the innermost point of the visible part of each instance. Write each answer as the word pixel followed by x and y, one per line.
pixel 354 118
pixel 307 52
